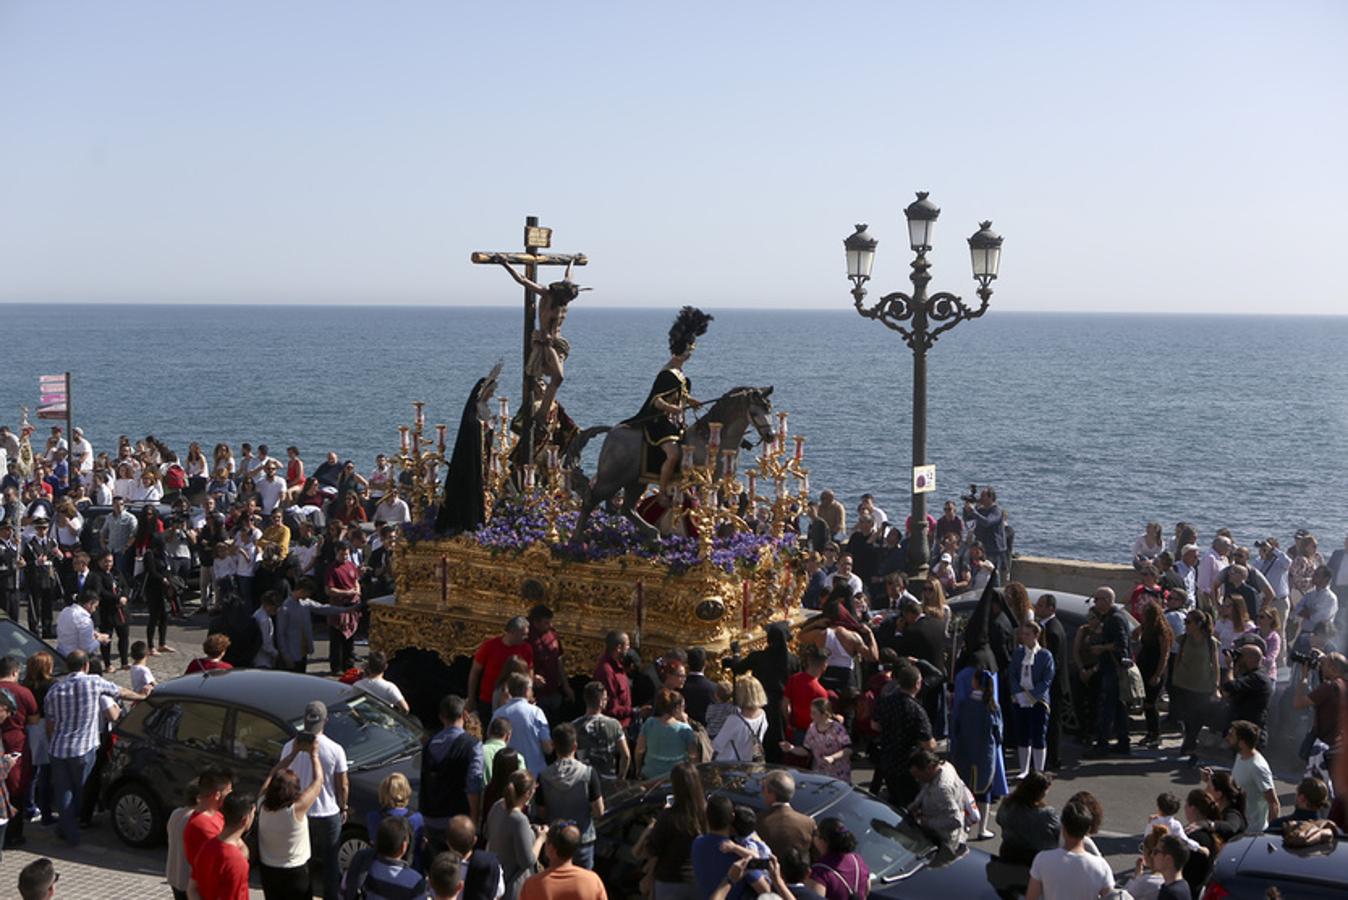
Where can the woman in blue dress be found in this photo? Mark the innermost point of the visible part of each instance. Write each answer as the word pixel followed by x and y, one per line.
pixel 976 733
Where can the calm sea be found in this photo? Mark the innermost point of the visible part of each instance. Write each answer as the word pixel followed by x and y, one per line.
pixel 1088 425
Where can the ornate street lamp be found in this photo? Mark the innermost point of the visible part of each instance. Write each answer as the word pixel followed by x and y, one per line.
pixel 921 319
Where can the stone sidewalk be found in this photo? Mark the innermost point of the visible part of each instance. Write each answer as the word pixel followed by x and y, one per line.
pixel 102 867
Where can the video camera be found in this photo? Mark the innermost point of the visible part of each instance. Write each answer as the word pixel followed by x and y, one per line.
pixel 1310 659
pixel 972 496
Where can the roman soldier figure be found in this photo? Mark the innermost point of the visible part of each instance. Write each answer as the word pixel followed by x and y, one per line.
pixel 661 416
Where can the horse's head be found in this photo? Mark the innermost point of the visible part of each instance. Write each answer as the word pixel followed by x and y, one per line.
pixel 760 412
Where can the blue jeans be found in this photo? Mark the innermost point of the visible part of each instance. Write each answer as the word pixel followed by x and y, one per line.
pixel 69 773
pixel 1111 713
pixel 584 856
pixel 325 835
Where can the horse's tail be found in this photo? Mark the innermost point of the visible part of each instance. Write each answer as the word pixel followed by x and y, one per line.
pixel 577 445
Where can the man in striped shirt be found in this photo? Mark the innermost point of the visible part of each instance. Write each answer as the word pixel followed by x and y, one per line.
pixel 72 711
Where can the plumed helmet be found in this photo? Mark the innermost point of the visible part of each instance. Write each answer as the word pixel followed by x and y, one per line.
pixel 690 325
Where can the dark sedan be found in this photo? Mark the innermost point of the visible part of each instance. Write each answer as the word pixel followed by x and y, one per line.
pixel 1072 612
pixel 19 642
pixel 240 720
pixel 902 860
pixel 1248 866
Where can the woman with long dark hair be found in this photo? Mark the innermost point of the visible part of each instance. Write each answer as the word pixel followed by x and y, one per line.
pixel 506 762
pixel 1029 825
pixel 668 842
pixel 839 873
pixel 1152 639
pixel 514 841
pixel 1230 800
pixel 283 828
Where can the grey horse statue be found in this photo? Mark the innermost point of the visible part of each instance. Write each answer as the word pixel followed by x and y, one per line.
pixel 619 467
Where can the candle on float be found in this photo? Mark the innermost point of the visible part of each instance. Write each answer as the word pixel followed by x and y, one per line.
pixel 529 477
pixel 714 438
pixel 505 406
pixel 744 605
pixel 686 462
pixel 552 459
pixel 440 432
pixel 805 485
pixel 781 429
pixel 731 459
pixel 421 414
pixel 402 437
pixel 780 484
pixel 416 443
pixel 800 448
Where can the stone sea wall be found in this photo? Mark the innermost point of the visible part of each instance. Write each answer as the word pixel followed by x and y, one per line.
pixel 1073 576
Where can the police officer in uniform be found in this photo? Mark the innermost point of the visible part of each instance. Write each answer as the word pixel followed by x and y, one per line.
pixel 11 560
pixel 44 586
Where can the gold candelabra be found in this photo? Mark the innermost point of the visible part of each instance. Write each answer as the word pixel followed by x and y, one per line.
pixel 498 444
pixel 421 456
pixel 777 466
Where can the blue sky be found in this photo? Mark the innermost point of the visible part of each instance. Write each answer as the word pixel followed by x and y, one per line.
pixel 1140 156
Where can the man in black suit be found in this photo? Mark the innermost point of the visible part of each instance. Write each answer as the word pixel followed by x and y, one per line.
pixel 1054 638
pixel 699 691
pixel 74 581
pixel 40 555
pixel 923 637
pixel 112 613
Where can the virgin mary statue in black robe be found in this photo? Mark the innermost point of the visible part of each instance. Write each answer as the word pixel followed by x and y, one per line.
pixel 463 507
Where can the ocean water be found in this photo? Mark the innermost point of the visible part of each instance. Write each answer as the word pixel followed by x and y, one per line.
pixel 1087 425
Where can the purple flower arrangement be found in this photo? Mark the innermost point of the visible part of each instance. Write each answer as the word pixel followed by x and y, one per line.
pixel 514 528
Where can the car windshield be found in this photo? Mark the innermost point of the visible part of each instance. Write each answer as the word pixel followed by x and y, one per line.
pixel 16 642
pixel 890 844
pixel 371 732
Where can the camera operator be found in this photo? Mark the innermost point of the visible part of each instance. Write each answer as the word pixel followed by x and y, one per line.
pixel 1249 690
pixel 989 524
pixel 1328 697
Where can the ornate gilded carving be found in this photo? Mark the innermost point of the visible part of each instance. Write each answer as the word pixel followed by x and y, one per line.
pixel 453 593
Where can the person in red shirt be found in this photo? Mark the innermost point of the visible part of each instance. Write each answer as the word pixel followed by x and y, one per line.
pixel 205 823
pixel 491 656
pixel 215 646
pixel 610 673
pixel 343 587
pixel 801 690
pixel 550 683
pixel 1149 589
pixel 220 871
pixel 14 733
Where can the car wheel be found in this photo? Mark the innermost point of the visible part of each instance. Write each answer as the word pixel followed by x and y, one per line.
pixel 136 816
pixel 353 841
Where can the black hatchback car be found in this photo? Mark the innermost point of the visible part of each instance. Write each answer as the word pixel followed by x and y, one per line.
pixel 240 720
pixel 902 859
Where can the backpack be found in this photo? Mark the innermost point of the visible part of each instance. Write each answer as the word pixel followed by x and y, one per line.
pixel 175 479
pixel 755 745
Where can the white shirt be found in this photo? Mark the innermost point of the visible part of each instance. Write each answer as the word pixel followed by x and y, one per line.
pixel 1322 604
pixel 1275 571
pixel 734 742
pixel 1209 567
pixel 269 491
pixel 75 630
pixel 332 758
pixel 140 677
pixel 393 510
pixel 1071 876
pixel 383 689
pixel 83 455
pixel 1255 778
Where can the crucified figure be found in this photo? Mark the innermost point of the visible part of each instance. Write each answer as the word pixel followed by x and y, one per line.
pixel 547 356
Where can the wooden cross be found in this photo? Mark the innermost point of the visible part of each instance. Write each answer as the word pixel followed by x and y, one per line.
pixel 535 239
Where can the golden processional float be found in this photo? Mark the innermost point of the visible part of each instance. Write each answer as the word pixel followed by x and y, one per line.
pixel 719 578
pixel 722 566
